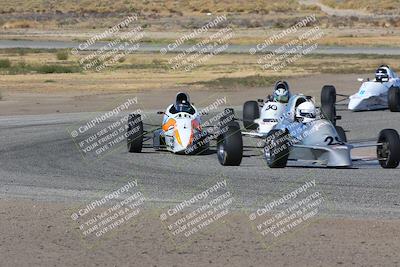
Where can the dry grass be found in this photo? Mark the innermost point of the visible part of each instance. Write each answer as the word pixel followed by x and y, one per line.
pixel 371 5
pixel 150 71
pixel 159 7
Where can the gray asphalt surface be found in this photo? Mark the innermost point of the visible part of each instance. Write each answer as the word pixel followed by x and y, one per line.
pixel 39 160
pixel 144 47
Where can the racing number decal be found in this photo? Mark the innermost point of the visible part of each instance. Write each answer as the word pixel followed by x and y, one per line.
pixel 331 141
pixel 274 107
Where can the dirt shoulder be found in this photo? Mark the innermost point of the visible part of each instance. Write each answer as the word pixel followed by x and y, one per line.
pixel 40 233
pixel 32 96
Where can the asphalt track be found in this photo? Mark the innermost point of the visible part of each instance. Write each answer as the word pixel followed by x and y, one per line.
pixel 40 161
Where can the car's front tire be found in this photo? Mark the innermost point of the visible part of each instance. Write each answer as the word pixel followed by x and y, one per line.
pixel 277 148
pixel 135 133
pixel 251 112
pixel 230 145
pixel 389 151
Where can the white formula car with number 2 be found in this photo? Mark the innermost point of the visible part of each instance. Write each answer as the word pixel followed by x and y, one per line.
pixel 303 135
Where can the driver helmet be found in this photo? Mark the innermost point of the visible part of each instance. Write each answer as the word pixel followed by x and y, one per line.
pixel 382 74
pixel 306 112
pixel 281 92
pixel 182 103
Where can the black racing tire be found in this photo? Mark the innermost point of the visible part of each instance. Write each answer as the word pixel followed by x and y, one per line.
pixel 394 99
pixel 328 103
pixel 230 146
pixel 277 148
pixel 329 112
pixel 389 152
pixel 342 134
pixel 135 133
pixel 251 111
pixel 328 95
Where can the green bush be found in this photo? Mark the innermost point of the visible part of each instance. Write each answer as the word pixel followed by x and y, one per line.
pixel 62 55
pixel 45 69
pixel 5 63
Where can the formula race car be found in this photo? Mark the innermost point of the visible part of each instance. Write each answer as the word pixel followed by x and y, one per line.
pixel 264 116
pixel 381 93
pixel 304 135
pixel 180 132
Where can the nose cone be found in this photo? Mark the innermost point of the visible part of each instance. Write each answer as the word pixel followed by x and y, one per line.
pixel 183 134
pixel 356 104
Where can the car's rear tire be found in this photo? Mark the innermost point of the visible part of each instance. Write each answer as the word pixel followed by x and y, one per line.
pixel 342 134
pixel 389 151
pixel 328 95
pixel 328 103
pixel 230 145
pixel 394 99
pixel 135 133
pixel 277 148
pixel 251 111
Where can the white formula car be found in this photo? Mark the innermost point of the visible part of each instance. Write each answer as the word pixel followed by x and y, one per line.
pixel 180 132
pixel 262 116
pixel 303 135
pixel 381 93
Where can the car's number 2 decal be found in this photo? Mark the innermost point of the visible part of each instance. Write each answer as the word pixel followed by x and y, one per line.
pixel 333 141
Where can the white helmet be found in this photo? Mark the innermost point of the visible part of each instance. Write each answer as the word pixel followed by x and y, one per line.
pixel 306 112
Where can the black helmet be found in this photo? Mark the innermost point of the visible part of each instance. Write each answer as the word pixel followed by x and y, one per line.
pixel 182 103
pixel 382 74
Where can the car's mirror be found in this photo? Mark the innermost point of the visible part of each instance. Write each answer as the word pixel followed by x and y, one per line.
pixel 160 112
pixel 260 100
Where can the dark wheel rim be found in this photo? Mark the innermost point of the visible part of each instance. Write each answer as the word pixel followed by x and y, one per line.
pixel 384 152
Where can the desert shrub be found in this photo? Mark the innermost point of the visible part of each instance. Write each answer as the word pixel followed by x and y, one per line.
pixel 5 63
pixel 62 55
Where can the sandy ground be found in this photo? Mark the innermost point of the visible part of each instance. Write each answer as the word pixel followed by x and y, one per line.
pixel 40 233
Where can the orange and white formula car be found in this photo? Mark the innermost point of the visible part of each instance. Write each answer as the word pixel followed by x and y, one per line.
pixel 180 132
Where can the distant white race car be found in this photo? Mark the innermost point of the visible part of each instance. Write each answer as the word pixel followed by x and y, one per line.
pixel 381 93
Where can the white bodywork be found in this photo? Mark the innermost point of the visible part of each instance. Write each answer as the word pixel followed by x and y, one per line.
pixel 318 141
pixel 270 114
pixel 179 129
pixel 373 95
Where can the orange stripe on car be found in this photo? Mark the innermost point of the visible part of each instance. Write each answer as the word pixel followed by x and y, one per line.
pixel 178 137
pixel 169 123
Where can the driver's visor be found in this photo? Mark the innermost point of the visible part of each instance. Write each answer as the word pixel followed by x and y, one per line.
pixel 308 115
